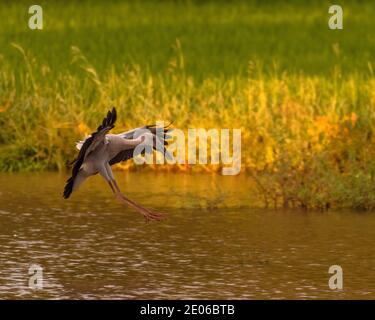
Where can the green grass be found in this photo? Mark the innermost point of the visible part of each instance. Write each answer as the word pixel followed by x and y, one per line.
pixel 302 94
pixel 217 38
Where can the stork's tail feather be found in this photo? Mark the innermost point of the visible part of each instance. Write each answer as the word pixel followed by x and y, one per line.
pixel 68 188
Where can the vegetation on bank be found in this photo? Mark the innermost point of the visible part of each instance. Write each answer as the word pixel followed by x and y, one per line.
pixel 307 126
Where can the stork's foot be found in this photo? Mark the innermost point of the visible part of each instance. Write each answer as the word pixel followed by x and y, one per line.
pixel 147 213
pixel 152 215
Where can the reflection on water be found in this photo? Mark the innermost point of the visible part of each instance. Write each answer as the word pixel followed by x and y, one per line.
pixel 212 245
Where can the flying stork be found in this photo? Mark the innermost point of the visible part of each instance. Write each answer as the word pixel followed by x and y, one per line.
pixel 99 151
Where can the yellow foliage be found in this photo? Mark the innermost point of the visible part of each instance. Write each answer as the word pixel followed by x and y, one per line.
pixel 83 129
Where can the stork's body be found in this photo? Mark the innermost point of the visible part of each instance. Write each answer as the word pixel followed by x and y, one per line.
pixel 101 150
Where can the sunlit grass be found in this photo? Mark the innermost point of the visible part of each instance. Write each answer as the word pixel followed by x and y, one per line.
pixel 303 96
pixel 307 140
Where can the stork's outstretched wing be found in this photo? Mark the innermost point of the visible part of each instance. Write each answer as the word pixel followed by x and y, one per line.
pixel 90 144
pixel 133 134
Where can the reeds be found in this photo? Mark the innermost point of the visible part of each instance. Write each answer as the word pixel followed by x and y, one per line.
pixel 306 140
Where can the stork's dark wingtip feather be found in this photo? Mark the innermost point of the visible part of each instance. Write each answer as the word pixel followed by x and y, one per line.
pixel 153 127
pixel 167 126
pixel 114 115
pixel 68 188
pixel 109 120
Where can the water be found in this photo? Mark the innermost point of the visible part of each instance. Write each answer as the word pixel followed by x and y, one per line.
pixel 211 246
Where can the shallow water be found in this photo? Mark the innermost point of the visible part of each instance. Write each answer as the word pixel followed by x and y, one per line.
pixel 91 247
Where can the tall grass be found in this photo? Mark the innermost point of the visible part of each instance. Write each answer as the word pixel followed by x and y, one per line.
pixel 307 120
pixel 307 140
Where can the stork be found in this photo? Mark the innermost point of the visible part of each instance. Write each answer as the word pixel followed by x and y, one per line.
pixel 99 151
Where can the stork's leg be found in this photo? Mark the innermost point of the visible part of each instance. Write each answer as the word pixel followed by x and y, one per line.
pixel 147 213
